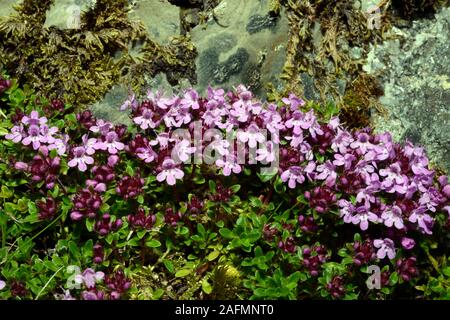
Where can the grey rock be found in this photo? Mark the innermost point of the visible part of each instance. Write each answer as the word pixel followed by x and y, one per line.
pixel 250 49
pixel 415 73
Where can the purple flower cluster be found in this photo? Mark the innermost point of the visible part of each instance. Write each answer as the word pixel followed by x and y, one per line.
pixel 47 208
pixel 307 224
pixel 102 175
pixel 407 269
pixel 171 217
pixel 141 220
pixel 86 204
pixel 118 284
pixel 33 131
pixel 363 252
pixel 336 287
pixel 130 187
pixel 105 225
pixel 287 245
pixel 313 258
pixel 41 168
pixel 98 253
pixel 195 206
pixel 4 85
pixel 372 180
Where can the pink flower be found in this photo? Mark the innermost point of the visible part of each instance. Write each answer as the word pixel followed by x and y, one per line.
pixel 424 221
pixel 327 172
pixel 34 119
pixel 394 180
pixel 19 165
pixel 112 143
pixel 17 133
pixel 393 217
pixel 182 151
pixel 386 248
pixel 146 154
pixel 90 145
pixel 267 153
pixel 145 121
pixel 310 123
pixel 2 284
pixel 170 172
pixel 164 103
pixel 89 277
pixel 363 216
pixel 362 144
pixel 221 146
pixel 34 137
pixel 60 145
pixel 408 243
pixel 293 101
pixel 342 141
pixel 252 135
pixel 80 159
pixel 113 160
pixel 296 122
pixel 130 102
pixel 190 100
pixel 48 133
pixel 163 139
pixel 295 175
pixel 101 126
pixel 347 210
pixel 229 165
pixel 345 160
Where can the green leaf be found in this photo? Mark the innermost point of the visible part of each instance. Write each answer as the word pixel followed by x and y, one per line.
pixel 256 202
pixel 152 243
pixel 206 286
pixel 129 170
pixel 393 279
pixel 446 271
pixel 73 248
pixel 213 255
pixel 90 224
pixel 201 229
pixel 169 265
pixel 5 193
pixel 235 188
pixel 212 186
pixel 226 233
pixel 183 273
pixel 267 177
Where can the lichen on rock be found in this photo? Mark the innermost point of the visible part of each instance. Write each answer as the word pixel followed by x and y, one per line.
pixel 414 70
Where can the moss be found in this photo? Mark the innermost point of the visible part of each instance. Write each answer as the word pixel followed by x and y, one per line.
pixel 322 32
pixel 81 65
pixel 414 9
pixel 359 100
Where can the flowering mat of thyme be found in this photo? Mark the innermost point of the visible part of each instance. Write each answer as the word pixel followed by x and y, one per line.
pixel 92 210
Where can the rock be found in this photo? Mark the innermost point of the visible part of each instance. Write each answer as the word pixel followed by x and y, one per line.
pixel 66 14
pixel 241 43
pixel 6 7
pixel 161 18
pixel 415 74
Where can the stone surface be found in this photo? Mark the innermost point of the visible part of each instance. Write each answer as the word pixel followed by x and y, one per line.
pixel 6 7
pixel 243 44
pixel 161 18
pixel 65 14
pixel 415 72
